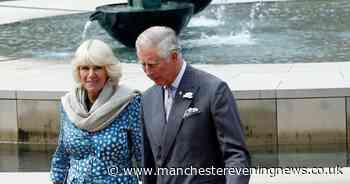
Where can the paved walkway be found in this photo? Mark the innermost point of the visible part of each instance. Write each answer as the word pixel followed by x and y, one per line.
pixel 43 178
pixel 26 75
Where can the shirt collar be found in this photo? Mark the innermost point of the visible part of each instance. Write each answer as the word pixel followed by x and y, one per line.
pixel 176 82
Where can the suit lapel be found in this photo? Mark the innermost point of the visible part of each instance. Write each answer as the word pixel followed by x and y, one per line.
pixel 178 109
pixel 157 116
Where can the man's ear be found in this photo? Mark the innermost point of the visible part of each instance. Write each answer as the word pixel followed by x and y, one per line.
pixel 174 55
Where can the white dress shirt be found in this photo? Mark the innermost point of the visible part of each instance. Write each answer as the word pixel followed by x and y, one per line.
pixel 170 91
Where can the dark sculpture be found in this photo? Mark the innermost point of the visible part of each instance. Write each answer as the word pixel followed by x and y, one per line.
pixel 124 22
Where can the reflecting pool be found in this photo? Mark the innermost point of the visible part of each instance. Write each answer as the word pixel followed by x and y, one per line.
pixel 37 157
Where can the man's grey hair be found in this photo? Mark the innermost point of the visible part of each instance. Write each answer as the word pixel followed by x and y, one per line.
pixel 97 52
pixel 162 38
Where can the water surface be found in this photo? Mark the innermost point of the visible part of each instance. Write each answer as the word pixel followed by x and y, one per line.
pixel 37 157
pixel 260 32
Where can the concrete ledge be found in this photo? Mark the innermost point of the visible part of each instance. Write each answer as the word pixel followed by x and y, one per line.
pixel 313 93
pixel 254 94
pixel 40 95
pixel 7 94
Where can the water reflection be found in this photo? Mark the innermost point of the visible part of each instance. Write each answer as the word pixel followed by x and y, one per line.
pixel 25 157
pixel 37 157
pixel 300 156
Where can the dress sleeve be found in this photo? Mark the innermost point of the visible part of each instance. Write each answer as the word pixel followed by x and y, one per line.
pixel 60 160
pixel 135 129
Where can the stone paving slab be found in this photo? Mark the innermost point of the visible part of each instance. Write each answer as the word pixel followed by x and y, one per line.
pixel 43 178
pixel 29 79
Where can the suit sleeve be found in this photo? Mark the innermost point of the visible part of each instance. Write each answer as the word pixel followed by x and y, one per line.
pixel 230 133
pixel 147 156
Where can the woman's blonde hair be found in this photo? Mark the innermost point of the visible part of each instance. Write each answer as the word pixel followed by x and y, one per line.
pixel 97 52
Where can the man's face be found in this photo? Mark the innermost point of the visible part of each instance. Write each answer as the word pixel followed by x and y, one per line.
pixel 162 71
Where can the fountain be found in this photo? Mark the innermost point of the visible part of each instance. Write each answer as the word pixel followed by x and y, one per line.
pixel 222 33
pixel 124 22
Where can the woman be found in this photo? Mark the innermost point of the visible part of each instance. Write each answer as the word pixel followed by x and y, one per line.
pixel 99 129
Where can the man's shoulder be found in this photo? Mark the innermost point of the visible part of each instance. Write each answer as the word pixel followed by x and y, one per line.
pixel 206 79
pixel 150 91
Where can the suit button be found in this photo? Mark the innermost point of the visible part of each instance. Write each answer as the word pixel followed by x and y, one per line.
pixel 158 163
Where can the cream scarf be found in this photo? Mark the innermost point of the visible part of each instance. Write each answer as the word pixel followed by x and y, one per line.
pixel 109 104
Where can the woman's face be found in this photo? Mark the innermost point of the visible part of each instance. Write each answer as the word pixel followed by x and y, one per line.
pixel 93 78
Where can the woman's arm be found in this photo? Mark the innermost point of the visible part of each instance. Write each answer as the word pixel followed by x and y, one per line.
pixel 60 160
pixel 135 130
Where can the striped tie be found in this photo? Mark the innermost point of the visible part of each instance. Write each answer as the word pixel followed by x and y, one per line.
pixel 168 99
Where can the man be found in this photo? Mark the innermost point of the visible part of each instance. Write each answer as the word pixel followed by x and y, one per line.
pixel 190 120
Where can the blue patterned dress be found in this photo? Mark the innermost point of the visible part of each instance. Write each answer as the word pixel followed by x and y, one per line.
pixel 99 157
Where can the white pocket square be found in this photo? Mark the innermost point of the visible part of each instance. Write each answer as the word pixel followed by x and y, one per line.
pixel 188 95
pixel 191 111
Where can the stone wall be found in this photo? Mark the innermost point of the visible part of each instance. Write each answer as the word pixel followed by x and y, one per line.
pixel 266 121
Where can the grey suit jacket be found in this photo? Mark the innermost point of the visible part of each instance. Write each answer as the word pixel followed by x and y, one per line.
pixel 209 137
